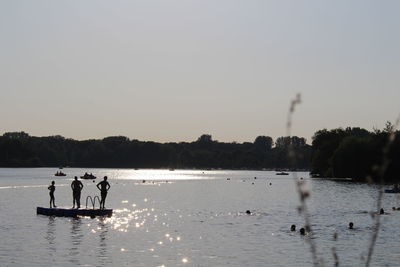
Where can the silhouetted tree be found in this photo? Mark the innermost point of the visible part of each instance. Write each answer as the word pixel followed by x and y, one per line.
pixel 263 143
pixel 21 150
pixel 354 153
pixel 205 138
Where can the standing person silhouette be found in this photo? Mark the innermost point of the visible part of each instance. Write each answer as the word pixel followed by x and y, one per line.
pixel 103 186
pixel 76 192
pixel 52 188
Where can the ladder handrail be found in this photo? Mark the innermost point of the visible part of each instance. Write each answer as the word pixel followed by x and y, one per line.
pixel 91 200
pixel 94 201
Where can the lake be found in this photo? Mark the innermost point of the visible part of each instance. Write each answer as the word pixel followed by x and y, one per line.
pixel 191 218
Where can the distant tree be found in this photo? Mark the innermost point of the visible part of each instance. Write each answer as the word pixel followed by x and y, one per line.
pixel 389 127
pixel 285 141
pixel 356 131
pixel 324 145
pixel 57 137
pixel 355 158
pixel 205 138
pixel 186 159
pixel 16 135
pixel 115 140
pixel 282 142
pixel 263 143
pixel 297 141
pixel 354 153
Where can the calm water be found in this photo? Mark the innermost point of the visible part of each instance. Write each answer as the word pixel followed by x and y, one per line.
pixel 195 219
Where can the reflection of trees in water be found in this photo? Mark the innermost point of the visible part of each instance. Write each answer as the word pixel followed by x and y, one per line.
pixel 76 235
pixel 51 235
pixel 103 253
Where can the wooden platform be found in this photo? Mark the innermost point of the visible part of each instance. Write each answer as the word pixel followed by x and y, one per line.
pixel 62 212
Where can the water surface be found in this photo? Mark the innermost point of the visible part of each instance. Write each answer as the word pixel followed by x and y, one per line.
pixel 190 218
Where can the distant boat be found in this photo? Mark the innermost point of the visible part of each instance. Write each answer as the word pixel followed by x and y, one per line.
pixel 60 174
pixel 282 173
pixel 88 176
pixel 393 191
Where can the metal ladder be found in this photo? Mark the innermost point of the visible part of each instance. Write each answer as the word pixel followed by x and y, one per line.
pixel 93 201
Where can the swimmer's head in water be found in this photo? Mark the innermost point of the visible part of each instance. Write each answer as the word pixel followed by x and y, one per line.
pixel 302 231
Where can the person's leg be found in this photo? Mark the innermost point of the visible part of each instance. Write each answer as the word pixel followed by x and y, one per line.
pixel 78 199
pixel 104 196
pixel 74 199
pixel 101 201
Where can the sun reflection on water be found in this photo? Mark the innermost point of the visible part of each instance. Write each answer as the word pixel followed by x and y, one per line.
pixel 131 217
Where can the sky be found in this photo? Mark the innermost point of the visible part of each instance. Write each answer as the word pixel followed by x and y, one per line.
pixel 172 70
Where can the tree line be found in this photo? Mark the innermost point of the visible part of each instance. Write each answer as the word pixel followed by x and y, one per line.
pixel 19 149
pixel 350 152
pixel 356 153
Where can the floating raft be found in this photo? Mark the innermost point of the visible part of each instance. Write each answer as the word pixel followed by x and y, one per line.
pixel 73 212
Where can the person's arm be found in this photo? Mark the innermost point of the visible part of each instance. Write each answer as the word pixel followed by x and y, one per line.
pixel 98 186
pixel 108 186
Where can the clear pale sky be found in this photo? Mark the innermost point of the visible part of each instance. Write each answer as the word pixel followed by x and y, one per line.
pixel 173 70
